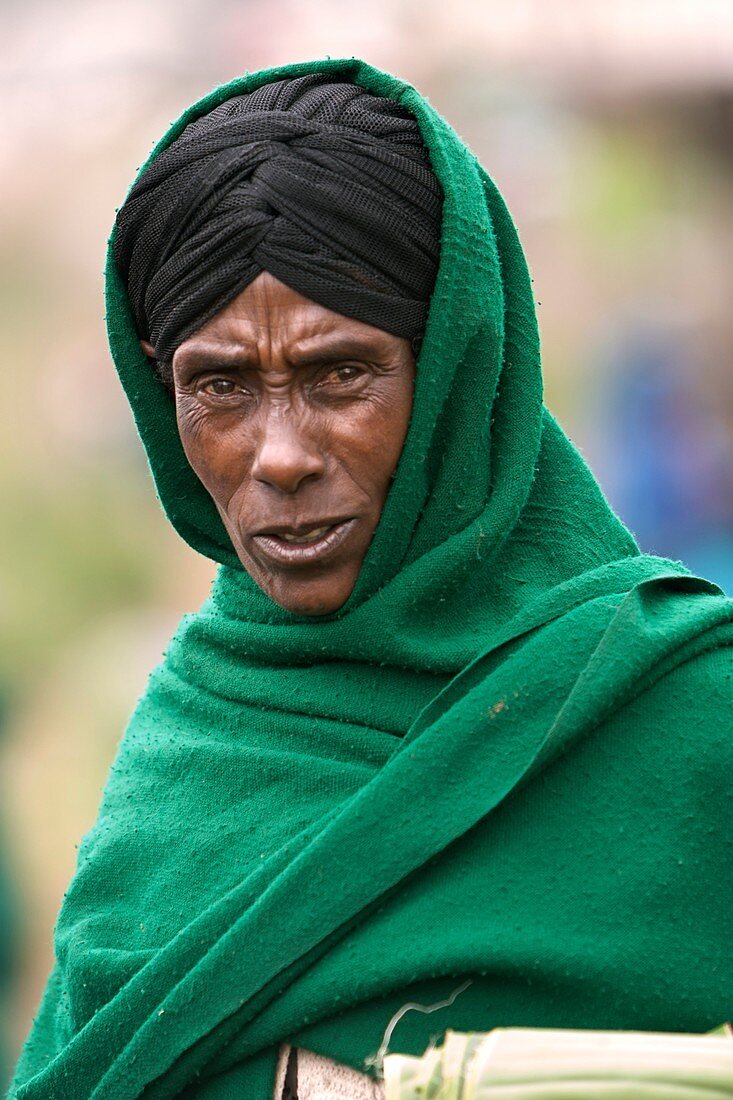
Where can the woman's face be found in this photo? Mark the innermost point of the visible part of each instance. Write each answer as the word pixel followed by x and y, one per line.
pixel 294 418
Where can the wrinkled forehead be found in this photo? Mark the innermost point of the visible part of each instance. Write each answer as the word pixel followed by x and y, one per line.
pixel 270 322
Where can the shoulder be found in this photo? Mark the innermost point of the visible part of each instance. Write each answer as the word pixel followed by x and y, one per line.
pixel 679 730
pixel 696 692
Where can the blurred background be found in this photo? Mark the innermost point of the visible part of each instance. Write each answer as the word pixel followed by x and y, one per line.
pixel 609 129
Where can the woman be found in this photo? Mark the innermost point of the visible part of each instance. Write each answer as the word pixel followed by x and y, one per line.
pixel 440 722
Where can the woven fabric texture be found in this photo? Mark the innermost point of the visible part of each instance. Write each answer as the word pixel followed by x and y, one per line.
pixel 323 185
pixel 505 761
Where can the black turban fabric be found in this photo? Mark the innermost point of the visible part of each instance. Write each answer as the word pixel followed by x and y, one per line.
pixel 322 184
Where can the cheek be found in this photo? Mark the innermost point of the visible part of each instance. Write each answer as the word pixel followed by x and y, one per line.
pixel 215 452
pixel 381 435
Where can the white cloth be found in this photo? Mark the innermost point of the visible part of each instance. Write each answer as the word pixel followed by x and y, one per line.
pixel 321 1079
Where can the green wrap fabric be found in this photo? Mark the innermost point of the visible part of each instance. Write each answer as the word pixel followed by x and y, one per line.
pixel 505 760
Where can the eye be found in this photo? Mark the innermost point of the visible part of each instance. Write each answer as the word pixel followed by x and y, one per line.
pixel 342 375
pixel 219 387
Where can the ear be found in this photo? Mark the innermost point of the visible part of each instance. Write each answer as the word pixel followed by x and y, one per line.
pixel 148 349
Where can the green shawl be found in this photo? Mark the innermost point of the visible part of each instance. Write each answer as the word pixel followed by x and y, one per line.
pixel 503 760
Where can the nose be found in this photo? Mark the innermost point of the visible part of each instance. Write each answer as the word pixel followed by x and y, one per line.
pixel 286 455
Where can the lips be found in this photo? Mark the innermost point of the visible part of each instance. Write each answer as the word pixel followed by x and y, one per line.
pixel 305 544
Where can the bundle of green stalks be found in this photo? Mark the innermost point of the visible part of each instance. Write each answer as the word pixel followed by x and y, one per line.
pixel 546 1064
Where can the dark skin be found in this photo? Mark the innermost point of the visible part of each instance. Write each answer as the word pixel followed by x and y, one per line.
pixel 294 418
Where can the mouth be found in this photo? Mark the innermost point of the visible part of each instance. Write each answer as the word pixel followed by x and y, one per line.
pixel 305 544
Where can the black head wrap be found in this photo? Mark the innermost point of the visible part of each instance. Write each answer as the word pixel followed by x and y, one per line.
pixel 322 184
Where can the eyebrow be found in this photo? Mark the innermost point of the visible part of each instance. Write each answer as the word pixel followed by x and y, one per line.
pixel 231 359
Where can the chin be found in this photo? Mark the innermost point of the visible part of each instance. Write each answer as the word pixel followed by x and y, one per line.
pixel 320 596
pixel 310 602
